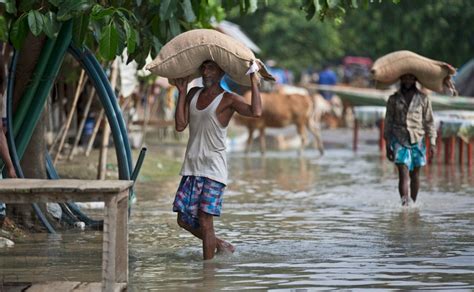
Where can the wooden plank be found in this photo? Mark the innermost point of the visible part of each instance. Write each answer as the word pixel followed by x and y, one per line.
pixel 53 286
pixel 56 197
pixel 62 185
pixel 72 286
pixel 157 123
pixel 89 287
pixel 14 287
pixel 109 244
pixel 121 248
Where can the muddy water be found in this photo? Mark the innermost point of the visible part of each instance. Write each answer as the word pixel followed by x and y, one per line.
pixel 310 222
pixel 331 222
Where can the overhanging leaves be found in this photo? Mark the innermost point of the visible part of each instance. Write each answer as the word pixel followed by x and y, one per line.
pixel 19 31
pixel 3 29
pixel 189 15
pixel 51 26
pixel 98 11
pixel 108 43
pixel 80 29
pixel 35 22
pixel 167 9
pixel 70 8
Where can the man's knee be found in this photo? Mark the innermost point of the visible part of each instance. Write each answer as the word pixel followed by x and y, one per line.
pixel 181 223
pixel 414 174
pixel 206 221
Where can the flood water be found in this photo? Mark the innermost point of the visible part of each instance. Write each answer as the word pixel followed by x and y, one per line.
pixel 297 223
pixel 310 222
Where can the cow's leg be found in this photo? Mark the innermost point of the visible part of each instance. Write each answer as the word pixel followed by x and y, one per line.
pixel 316 131
pixel 300 127
pixel 249 140
pixel 262 140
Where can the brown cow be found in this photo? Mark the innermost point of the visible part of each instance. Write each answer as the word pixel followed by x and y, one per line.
pixel 281 110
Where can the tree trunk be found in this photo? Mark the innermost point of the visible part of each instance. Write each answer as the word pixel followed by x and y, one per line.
pixel 33 161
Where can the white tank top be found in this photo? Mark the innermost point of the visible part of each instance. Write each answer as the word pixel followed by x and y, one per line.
pixel 205 153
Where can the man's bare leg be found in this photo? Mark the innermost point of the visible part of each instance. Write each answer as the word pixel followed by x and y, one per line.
pixel 403 178
pixel 221 245
pixel 208 236
pixel 414 183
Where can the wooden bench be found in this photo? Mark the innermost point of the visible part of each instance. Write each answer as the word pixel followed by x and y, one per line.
pixel 113 193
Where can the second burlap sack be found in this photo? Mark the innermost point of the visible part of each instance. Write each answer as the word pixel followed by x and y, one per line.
pixel 432 74
pixel 183 55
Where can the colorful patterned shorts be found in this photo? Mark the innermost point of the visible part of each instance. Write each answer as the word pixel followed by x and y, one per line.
pixel 198 193
pixel 412 156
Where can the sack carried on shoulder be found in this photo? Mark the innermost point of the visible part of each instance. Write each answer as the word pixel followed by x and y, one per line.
pixel 182 56
pixel 432 74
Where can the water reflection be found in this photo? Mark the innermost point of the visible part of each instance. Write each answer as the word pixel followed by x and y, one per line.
pixel 409 234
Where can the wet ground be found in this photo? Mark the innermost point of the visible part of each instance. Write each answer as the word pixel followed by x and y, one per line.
pixel 297 222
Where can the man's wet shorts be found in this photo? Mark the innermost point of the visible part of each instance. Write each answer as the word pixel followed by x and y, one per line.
pixel 198 193
pixel 412 156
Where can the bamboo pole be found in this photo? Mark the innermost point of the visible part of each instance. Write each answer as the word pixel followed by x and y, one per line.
pixel 80 87
pixel 83 122
pixel 148 111
pixel 100 117
pixel 102 169
pixel 97 126
pixel 57 138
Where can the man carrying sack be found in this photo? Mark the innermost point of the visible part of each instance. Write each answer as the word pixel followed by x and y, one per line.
pixel 408 118
pixel 207 111
pixel 409 115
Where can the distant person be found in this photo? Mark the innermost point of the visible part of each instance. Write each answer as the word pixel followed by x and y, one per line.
pixel 207 110
pixel 409 117
pixel 327 77
pixel 281 75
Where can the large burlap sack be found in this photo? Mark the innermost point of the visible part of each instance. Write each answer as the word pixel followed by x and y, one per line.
pixel 182 56
pixel 432 74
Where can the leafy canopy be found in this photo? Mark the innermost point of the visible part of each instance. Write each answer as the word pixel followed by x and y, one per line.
pixel 141 26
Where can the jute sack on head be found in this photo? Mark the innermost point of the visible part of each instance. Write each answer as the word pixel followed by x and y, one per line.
pixel 432 74
pixel 183 55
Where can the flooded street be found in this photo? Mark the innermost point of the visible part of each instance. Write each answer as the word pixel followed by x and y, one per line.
pixel 309 222
pixel 331 222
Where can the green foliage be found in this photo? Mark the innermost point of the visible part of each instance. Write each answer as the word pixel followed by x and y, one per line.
pixel 80 28
pixel 51 26
pixel 10 6
pixel 431 28
pixel 35 22
pixel 334 9
pixel 436 29
pixel 67 9
pixel 19 30
pixel 143 26
pixel 108 45
pixel 285 35
pixel 3 29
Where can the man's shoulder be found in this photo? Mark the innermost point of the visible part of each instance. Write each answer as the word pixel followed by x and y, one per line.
pixel 192 92
pixel 230 95
pixel 423 95
pixel 394 95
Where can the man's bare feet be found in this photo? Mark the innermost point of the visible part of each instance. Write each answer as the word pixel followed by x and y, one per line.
pixel 224 246
pixel 405 201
